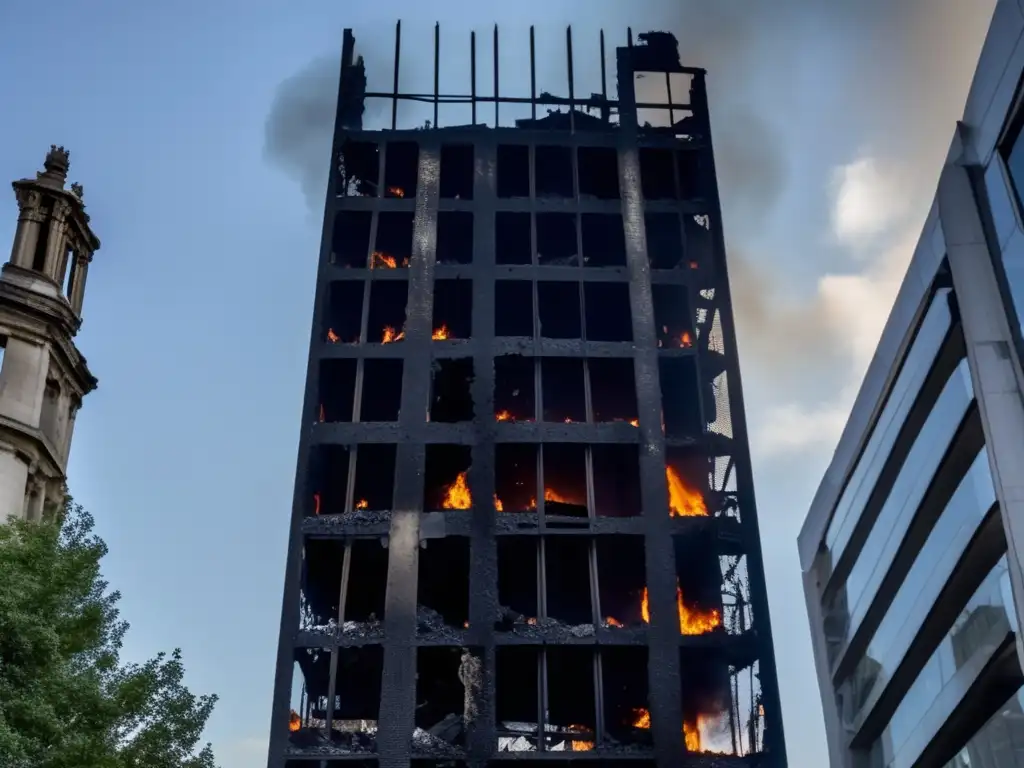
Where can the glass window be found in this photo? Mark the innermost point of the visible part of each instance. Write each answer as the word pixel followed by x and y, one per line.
pixel 915 369
pixel 983 622
pixel 931 570
pixel 850 601
pixel 1015 163
pixel 999 743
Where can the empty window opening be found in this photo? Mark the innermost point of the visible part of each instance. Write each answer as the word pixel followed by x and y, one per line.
pixel 616 480
pixel 574 762
pixel 517 581
pixel 445 679
pixel 350 239
pixel 604 240
pixel 565 479
pixel 737 610
pixel 320 590
pixel 572 702
pixel 613 389
pixel 686 472
pixel 447 478
pixel 672 316
pixel 443 584
pixel 556 239
pixel 393 249
pixel 358 169
pixel 310 676
pixel 691 180
pixel 707 703
pixel 599 172
pixel 367 583
pixel 513 170
pixel 382 390
pixel 515 477
pixel 512 243
pixel 698 240
pixel 400 169
pixel 679 397
pixel 553 171
pixel 457 171
pixel 559 310
pixel 337 388
pixel 333 764
pixel 621 580
pixel 356 705
pixel 344 312
pixel 609 317
pixel 657 175
pixel 664 240
pixel 3 350
pixel 42 239
pixel 386 322
pixel 452 398
pixel 514 398
pixel 627 715
pixel 419 764
pixel 517 692
pixel 453 309
pixel 567 576
pixel 455 237
pixel 328 469
pixel 698 584
pixel 563 392
pixel 375 476
pixel 513 308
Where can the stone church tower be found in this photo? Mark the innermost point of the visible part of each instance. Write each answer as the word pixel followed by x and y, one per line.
pixel 43 376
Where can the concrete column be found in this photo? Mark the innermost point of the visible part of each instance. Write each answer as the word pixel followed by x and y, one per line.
pixel 13 482
pixel 77 296
pixel 57 238
pixel 27 233
pixel 995 371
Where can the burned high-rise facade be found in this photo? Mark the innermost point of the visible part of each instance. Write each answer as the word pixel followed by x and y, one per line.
pixel 524 524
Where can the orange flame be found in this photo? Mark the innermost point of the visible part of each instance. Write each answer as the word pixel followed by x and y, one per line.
pixel 692 621
pixel 691 732
pixel 362 504
pixel 322 413
pixel 611 621
pixel 332 336
pixel 503 416
pixel 685 339
pixel 294 721
pixel 396 191
pixel 457 494
pixel 693 265
pixel 390 335
pixel 552 495
pixel 316 503
pixel 567 420
pixel 683 501
pixel 580 746
pixel 440 334
pixel 497 504
pixel 635 422
pixel 381 260
pixel 691 727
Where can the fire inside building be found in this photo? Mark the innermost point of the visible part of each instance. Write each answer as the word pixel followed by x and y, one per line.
pixel 524 523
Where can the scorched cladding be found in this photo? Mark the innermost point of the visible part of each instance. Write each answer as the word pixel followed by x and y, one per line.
pixel 523 517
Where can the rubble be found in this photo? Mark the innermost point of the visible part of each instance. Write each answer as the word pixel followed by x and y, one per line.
pixel 425 741
pixel 431 624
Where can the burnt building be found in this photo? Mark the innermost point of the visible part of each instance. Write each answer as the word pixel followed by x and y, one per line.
pixel 524 524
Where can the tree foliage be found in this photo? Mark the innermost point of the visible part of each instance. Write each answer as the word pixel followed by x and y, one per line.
pixel 66 699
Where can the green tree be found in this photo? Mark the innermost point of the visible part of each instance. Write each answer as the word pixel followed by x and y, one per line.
pixel 66 699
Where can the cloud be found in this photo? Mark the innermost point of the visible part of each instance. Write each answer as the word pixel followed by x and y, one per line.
pixel 867 201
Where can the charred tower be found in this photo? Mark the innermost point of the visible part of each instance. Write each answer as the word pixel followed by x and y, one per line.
pixel 43 376
pixel 523 524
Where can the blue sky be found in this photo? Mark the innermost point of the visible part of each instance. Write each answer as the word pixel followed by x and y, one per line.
pixel 830 122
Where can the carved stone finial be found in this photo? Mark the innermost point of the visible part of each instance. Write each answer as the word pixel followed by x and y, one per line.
pixel 58 160
pixel 78 190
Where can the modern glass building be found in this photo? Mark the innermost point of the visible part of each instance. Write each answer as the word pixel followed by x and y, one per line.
pixel 911 552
